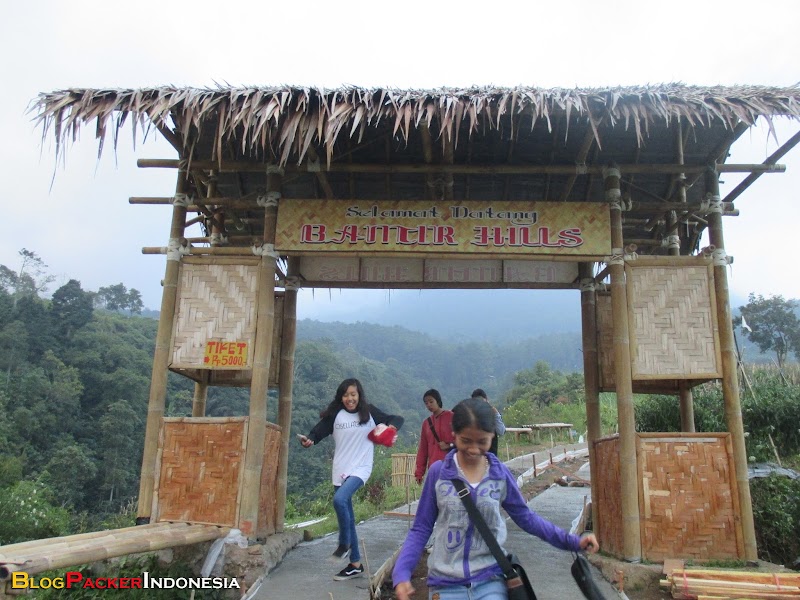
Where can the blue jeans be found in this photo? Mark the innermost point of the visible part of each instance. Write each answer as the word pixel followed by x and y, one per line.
pixel 343 505
pixel 494 589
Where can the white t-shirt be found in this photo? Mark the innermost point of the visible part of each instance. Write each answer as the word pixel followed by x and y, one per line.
pixel 354 452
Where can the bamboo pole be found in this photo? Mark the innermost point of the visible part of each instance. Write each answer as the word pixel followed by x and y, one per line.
pixel 591 375
pixel 285 386
pixel 251 203
pixel 687 407
pixel 462 169
pixel 631 535
pixel 161 358
pixel 730 381
pixel 685 398
pixel 200 396
pixel 78 552
pixel 262 355
pixel 774 157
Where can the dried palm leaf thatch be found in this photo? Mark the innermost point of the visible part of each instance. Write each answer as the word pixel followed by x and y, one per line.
pixel 283 122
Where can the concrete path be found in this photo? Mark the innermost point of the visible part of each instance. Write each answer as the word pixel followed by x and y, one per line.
pixel 306 573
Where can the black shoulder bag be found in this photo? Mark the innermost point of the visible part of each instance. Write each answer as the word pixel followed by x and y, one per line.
pixel 582 573
pixel 519 587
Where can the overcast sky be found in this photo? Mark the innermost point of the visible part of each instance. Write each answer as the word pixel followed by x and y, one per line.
pixel 84 228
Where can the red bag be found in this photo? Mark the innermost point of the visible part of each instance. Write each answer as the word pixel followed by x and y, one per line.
pixel 383 435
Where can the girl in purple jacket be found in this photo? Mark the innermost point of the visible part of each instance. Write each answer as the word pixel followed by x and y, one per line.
pixel 460 561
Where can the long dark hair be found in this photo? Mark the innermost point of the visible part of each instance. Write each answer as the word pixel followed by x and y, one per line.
pixel 433 393
pixel 336 404
pixel 473 412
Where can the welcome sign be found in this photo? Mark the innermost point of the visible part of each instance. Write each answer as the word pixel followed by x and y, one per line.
pixel 469 227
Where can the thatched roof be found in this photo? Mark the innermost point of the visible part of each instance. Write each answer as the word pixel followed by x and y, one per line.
pixel 285 121
pixel 486 144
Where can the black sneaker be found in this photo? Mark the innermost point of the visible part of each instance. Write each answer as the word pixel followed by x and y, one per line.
pixel 340 553
pixel 349 572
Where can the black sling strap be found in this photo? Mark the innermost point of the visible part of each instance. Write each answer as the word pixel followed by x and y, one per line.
pixel 483 528
pixel 433 431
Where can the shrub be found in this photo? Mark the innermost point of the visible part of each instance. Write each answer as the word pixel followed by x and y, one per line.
pixel 26 513
pixel 776 512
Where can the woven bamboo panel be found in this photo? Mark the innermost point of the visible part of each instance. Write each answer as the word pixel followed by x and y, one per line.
pixel 268 498
pixel 609 490
pixel 403 466
pixel 672 322
pixel 200 464
pixel 688 497
pixel 216 302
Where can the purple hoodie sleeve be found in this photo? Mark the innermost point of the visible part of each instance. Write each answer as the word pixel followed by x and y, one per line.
pixel 427 511
pixel 529 521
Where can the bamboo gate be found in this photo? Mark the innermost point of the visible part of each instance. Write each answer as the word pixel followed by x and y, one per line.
pixel 606 191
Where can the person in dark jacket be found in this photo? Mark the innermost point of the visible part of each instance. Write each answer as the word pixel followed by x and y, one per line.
pixel 499 426
pixel 351 420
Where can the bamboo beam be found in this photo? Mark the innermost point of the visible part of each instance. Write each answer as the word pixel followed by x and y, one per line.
pixel 730 380
pixel 69 552
pixel 259 383
pixel 200 396
pixel 285 385
pixel 631 535
pixel 231 202
pixel 464 169
pixel 591 375
pixel 202 251
pixel 774 157
pixel 161 359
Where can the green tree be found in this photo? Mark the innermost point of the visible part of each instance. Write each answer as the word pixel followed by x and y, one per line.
pixel 121 433
pixel 71 308
pixel 772 324
pixel 70 471
pixel 117 298
pixel 31 279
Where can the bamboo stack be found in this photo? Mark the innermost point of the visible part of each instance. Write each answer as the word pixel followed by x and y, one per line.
pixel 54 553
pixel 699 584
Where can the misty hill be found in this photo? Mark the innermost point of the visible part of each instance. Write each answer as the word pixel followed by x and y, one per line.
pixel 453 367
pixel 456 315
